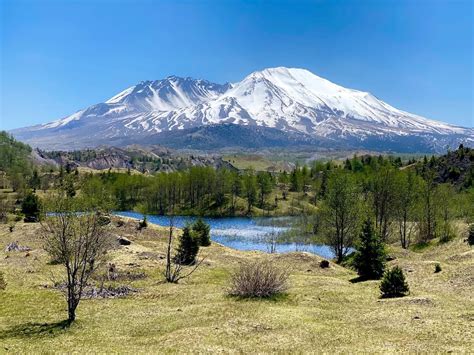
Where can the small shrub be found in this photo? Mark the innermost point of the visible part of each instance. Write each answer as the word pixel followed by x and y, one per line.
pixel 437 268
pixel 470 237
pixel 447 234
pixel 203 232
pixel 142 224
pixel 393 283
pixel 103 219
pixel 3 284
pixel 258 279
pixel 323 264
pixel 188 247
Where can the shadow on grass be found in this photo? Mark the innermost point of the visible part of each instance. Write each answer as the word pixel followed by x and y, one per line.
pixel 281 297
pixel 363 279
pixel 359 279
pixel 31 330
pixel 418 247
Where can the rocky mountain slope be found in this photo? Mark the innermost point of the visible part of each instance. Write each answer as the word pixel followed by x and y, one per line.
pixel 149 159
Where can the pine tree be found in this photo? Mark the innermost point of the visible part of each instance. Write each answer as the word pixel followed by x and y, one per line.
pixel 188 247
pixel 35 181
pixel 30 207
pixel 370 257
pixel 393 283
pixel 202 230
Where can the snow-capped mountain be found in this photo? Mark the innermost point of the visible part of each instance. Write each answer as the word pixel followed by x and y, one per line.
pixel 287 99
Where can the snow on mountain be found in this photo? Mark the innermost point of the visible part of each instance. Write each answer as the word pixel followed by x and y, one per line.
pixel 288 99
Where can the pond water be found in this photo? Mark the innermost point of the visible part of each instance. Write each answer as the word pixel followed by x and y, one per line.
pixel 243 233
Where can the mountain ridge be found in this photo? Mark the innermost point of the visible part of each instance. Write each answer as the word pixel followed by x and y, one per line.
pixel 287 99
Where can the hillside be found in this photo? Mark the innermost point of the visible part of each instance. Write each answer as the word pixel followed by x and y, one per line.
pixel 455 167
pixel 150 159
pixel 323 309
pixel 14 155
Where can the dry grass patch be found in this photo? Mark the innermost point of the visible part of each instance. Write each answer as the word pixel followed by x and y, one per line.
pixel 321 311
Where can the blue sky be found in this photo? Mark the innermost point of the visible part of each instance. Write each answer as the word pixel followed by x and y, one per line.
pixel 60 56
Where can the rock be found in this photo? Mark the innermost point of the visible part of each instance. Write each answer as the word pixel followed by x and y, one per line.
pixel 123 241
pixel 14 246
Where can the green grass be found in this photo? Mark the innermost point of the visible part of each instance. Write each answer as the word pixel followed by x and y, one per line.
pixel 322 311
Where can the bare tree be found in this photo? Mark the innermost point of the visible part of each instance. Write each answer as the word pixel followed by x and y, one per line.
pixel 272 241
pixel 77 241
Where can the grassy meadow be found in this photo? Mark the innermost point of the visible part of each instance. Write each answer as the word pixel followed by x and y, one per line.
pixel 323 310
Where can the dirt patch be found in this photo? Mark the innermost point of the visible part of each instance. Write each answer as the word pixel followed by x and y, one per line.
pixel 91 292
pixel 468 255
pixel 148 255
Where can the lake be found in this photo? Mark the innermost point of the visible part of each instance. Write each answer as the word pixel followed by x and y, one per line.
pixel 242 233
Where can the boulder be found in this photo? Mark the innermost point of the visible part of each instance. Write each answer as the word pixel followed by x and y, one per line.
pixel 123 241
pixel 14 246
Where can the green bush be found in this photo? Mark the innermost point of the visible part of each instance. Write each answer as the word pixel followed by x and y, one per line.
pixel 203 232
pixel 393 283
pixel 369 260
pixel 142 224
pixel 470 237
pixel 188 247
pixel 323 264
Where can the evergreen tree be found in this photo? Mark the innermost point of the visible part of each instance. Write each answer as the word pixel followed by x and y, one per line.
pixel 250 189
pixel 203 232
pixel 264 184
pixel 370 256
pixel 35 181
pixel 393 283
pixel 30 207
pixel 188 247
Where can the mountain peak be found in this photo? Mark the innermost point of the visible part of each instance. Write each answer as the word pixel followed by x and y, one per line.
pixel 287 99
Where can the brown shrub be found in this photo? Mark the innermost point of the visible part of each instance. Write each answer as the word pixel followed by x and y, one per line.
pixel 258 279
